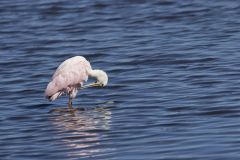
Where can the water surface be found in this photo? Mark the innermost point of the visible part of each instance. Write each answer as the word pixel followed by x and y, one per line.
pixel 173 71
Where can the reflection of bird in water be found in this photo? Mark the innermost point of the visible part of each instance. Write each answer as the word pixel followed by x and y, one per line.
pixel 70 76
pixel 82 133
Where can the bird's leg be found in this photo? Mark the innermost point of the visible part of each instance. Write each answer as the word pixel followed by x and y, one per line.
pixel 70 103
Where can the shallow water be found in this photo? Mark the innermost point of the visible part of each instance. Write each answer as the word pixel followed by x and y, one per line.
pixel 173 71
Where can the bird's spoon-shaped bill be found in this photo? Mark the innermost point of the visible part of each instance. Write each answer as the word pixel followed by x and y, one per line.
pixel 90 85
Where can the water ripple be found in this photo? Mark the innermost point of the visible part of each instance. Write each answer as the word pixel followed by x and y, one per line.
pixel 173 71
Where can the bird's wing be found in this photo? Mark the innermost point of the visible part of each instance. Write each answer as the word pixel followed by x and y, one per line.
pixel 71 72
pixel 74 70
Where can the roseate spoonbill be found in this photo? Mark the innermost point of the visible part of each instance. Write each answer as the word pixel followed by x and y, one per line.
pixel 70 76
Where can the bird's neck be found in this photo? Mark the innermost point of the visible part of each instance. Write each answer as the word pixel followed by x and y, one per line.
pixel 94 73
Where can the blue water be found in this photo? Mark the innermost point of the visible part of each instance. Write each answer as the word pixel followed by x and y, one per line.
pixel 173 92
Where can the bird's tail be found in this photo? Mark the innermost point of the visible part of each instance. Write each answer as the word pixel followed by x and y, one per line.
pixel 55 96
pixel 52 91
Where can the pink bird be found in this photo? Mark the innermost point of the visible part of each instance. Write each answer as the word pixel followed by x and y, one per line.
pixel 70 76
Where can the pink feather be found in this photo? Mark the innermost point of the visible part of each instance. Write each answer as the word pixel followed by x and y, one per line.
pixel 70 75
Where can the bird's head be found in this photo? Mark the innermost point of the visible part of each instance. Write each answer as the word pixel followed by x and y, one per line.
pixel 101 76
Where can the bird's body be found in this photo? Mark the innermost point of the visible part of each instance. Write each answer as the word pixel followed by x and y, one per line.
pixel 70 76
